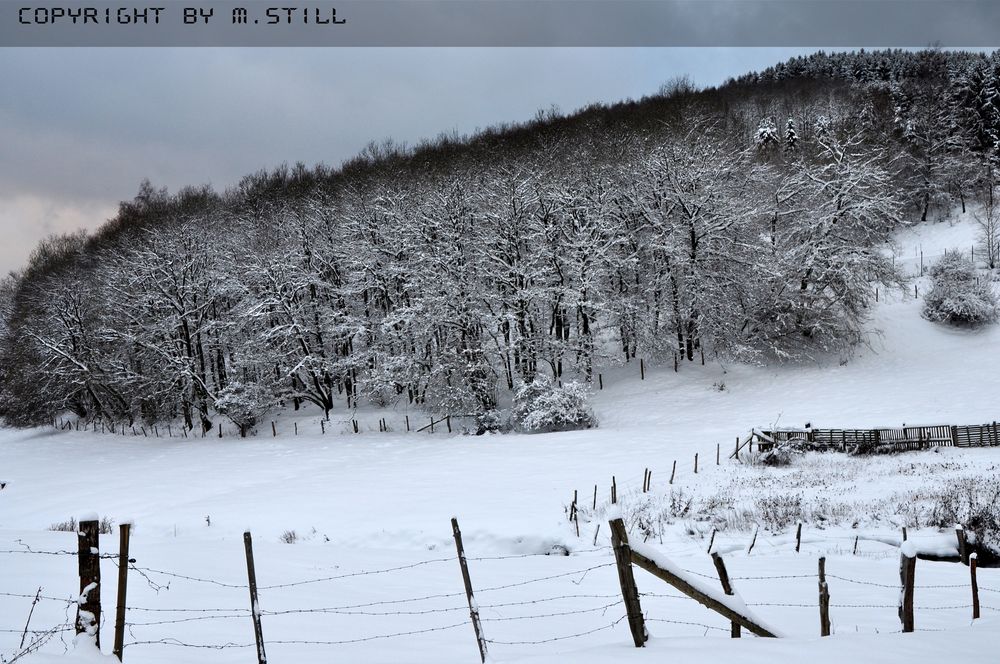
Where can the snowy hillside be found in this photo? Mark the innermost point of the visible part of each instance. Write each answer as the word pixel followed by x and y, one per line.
pixel 354 549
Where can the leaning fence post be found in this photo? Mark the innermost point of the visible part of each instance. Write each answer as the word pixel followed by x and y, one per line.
pixel 258 633
pixel 88 608
pixel 623 559
pixel 473 607
pixel 907 567
pixel 798 537
pixel 975 586
pixel 123 560
pixel 727 587
pixel 824 600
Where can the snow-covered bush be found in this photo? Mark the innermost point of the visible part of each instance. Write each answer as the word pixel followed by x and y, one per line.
pixel 541 406
pixel 783 453
pixel 245 405
pixel 956 296
pixel 489 421
pixel 975 504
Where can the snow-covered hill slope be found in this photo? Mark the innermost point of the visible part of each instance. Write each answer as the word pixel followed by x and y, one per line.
pixel 380 501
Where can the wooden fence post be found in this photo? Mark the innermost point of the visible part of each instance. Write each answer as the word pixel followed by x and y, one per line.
pixel 711 541
pixel 258 633
pixel 447 420
pixel 798 537
pixel 473 607
pixel 600 381
pixel 123 561
pixel 824 600
pixel 975 586
pixel 963 549
pixel 718 449
pixel 754 540
pixel 673 471
pixel 642 369
pixel 88 610
pixel 720 567
pixel 407 423
pixel 695 463
pixel 630 594
pixel 595 497
pixel 614 491
pixel 907 568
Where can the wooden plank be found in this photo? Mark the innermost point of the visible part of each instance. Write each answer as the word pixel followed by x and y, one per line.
pixel 695 594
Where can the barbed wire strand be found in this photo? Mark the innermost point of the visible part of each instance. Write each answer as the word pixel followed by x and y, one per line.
pixel 556 638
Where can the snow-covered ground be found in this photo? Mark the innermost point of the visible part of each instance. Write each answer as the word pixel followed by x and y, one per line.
pixel 373 509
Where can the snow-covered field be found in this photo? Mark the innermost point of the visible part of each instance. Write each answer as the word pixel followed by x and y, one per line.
pixel 373 567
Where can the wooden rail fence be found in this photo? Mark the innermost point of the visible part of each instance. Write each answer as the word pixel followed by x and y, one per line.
pixel 880 439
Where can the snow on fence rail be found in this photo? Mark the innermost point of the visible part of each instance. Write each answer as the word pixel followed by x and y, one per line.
pixel 146 624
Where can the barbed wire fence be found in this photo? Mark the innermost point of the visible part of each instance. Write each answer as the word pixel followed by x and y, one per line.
pixel 509 603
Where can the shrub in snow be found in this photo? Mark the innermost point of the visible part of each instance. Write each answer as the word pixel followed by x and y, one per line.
pixel 956 297
pixel 785 452
pixel 244 404
pixel 541 406
pixel 975 504
pixel 489 421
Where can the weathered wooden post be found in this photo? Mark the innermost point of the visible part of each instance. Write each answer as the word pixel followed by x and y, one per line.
pixel 824 600
pixel 258 633
pixel 798 537
pixel 727 587
pixel 963 549
pixel 975 586
pixel 88 608
pixel 754 540
pixel 642 369
pixel 630 593
pixel 673 472
pixel 473 607
pixel 123 561
pixel 907 568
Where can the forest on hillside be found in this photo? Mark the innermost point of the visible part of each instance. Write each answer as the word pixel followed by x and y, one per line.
pixel 745 222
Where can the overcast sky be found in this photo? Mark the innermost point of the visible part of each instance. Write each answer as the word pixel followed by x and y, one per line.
pixel 81 128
